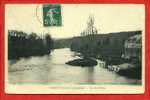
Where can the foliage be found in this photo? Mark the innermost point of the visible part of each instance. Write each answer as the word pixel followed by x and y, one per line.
pixel 21 44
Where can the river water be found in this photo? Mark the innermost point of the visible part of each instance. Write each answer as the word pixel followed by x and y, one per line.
pixel 51 69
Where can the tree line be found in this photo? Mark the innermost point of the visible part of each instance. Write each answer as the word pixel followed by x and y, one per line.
pixel 21 44
pixel 102 46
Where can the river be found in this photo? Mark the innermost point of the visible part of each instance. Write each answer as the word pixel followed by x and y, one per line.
pixel 51 69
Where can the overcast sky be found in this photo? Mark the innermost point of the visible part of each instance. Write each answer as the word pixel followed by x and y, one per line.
pixel 108 18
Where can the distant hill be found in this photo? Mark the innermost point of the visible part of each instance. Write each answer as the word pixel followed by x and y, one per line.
pixel 67 42
pixel 62 43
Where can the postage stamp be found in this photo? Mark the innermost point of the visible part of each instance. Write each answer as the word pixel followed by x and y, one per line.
pixel 52 15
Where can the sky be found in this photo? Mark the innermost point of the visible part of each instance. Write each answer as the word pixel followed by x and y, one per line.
pixel 108 18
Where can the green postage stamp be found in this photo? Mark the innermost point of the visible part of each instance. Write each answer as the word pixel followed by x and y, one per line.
pixel 52 15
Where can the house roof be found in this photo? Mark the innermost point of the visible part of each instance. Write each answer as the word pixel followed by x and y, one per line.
pixel 135 38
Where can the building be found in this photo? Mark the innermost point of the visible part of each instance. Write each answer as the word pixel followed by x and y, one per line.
pixel 133 47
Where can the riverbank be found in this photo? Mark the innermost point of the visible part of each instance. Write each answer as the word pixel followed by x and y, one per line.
pixel 127 68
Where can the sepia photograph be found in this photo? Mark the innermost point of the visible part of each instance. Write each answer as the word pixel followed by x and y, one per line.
pixel 74 48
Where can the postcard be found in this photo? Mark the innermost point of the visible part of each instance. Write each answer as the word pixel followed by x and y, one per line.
pixel 74 48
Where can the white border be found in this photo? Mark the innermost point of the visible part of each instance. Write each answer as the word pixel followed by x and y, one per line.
pixel 71 88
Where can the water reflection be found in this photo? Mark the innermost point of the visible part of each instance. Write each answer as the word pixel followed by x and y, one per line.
pixel 90 75
pixel 51 69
